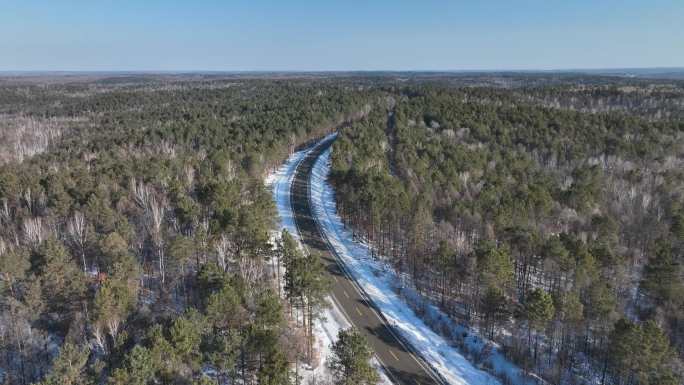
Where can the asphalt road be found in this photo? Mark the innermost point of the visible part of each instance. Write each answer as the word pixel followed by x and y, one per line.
pixel 401 365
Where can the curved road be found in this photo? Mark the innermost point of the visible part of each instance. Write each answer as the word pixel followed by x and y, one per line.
pixel 401 364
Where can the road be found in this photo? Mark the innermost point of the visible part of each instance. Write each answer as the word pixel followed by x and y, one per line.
pixel 402 366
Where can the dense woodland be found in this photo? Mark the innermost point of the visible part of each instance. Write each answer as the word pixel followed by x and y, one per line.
pixel 545 218
pixel 135 241
pixel 136 238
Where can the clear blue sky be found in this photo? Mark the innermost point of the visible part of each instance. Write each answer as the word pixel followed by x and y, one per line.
pixel 103 35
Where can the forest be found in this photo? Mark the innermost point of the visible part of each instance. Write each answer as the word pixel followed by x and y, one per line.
pixel 135 237
pixel 136 233
pixel 546 218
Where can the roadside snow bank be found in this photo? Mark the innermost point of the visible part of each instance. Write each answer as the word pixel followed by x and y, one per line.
pixel 379 282
pixel 332 320
pixel 280 182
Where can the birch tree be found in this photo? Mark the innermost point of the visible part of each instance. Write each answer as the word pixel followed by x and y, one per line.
pixel 222 247
pixel 77 229
pixel 34 231
pixel 155 210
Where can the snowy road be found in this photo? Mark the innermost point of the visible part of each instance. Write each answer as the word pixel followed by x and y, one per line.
pixel 365 289
pixel 397 358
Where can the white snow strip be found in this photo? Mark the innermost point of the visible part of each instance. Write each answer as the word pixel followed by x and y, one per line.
pixel 379 281
pixel 280 181
pixel 326 331
pixel 333 320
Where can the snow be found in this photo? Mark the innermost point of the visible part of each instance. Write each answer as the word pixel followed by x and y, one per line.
pixel 280 182
pixel 332 320
pixel 326 330
pixel 380 282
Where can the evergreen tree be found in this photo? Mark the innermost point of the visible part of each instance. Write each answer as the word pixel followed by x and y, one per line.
pixel 662 278
pixel 539 310
pixel 113 303
pixel 350 360
pixel 69 366
pixel 494 265
pixel 13 268
pixel 138 368
pixel 162 353
pixel 495 309
pixel 641 352
pixel 186 335
pixel 275 369
pixel 62 280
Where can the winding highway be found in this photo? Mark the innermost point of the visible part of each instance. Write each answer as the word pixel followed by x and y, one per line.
pixel 402 365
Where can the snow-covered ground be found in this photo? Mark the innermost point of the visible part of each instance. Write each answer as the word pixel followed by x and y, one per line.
pixel 280 182
pixel 326 331
pixel 332 320
pixel 379 282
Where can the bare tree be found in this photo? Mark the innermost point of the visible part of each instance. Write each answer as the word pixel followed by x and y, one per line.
pixel 4 211
pixel 141 193
pixel 77 229
pixel 28 200
pixel 167 148
pixel 250 269
pixel 113 324
pixel 155 217
pixel 98 333
pixel 155 210
pixel 22 137
pixel 34 231
pixel 221 245
pixel 189 173
pixel 203 232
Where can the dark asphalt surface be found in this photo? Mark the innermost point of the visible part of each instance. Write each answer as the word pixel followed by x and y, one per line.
pixel 401 364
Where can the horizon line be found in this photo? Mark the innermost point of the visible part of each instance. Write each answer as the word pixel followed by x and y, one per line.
pixel 290 71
